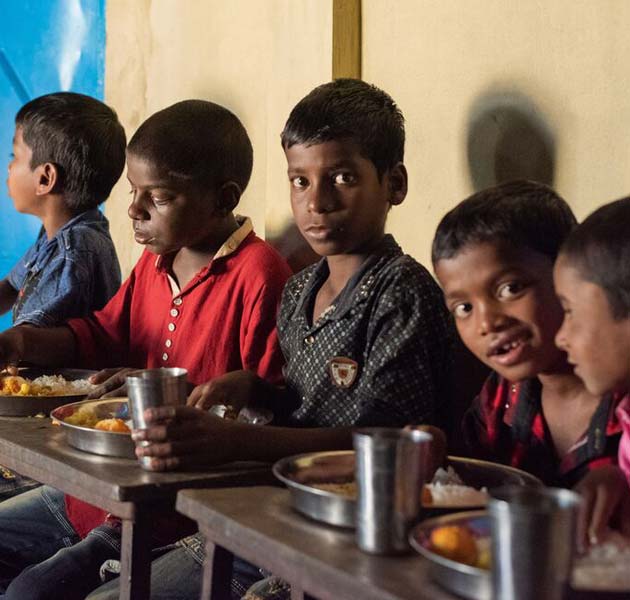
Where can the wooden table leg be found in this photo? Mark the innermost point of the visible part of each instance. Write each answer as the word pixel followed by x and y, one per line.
pixel 135 558
pixel 217 572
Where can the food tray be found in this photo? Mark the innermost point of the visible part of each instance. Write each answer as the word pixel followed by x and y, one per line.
pixel 105 443
pixel 474 583
pixel 28 406
pixel 335 509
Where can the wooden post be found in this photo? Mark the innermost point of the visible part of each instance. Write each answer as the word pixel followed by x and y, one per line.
pixel 346 50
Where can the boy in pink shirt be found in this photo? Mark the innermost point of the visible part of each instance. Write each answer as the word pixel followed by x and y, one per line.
pixel 592 279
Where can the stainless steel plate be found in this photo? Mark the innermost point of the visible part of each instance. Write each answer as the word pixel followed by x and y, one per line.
pixel 471 582
pixel 335 509
pixel 105 443
pixel 28 406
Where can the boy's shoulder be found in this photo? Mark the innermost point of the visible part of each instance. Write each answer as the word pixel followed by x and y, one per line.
pixel 258 257
pixel 390 271
pixel 84 230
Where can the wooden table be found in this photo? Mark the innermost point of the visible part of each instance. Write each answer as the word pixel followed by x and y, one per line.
pixel 259 525
pixel 37 449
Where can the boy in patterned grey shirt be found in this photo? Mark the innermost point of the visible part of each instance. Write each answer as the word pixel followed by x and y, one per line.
pixel 365 333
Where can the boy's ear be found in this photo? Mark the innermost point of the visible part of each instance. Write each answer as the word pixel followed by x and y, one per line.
pixel 47 179
pixel 397 184
pixel 228 197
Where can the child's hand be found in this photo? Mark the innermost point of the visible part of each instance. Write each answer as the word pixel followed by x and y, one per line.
pixel 606 501
pixel 438 447
pixel 11 349
pixel 185 437
pixel 112 383
pixel 236 389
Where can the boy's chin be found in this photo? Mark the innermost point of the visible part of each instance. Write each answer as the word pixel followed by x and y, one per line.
pixel 515 373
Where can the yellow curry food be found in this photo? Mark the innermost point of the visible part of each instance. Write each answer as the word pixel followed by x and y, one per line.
pixel 46 385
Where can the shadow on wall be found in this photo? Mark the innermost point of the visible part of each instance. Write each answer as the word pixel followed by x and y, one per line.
pixel 509 138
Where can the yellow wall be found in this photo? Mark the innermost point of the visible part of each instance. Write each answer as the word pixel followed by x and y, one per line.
pixel 258 57
pixel 572 57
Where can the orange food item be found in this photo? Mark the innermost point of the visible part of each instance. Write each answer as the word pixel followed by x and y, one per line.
pixel 455 542
pixel 426 498
pixel 117 425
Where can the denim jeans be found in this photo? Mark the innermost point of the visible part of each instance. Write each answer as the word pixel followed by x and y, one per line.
pixel 12 483
pixel 42 556
pixel 177 575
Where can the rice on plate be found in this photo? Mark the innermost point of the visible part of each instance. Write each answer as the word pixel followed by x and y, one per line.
pixel 45 385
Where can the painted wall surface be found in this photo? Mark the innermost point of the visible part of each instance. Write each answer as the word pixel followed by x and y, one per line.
pixel 45 46
pixel 256 57
pixel 571 57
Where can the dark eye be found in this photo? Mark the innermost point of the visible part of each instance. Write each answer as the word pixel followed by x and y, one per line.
pixel 510 289
pixel 299 182
pixel 462 310
pixel 344 178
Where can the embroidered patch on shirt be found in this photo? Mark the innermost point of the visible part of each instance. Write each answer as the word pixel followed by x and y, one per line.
pixel 344 371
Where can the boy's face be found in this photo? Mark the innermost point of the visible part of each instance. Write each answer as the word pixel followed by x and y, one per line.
pixel 338 202
pixel 596 344
pixel 505 309
pixel 166 215
pixel 22 180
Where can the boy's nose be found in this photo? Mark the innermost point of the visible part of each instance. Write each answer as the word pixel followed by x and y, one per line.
pixel 560 339
pixel 321 200
pixel 490 320
pixel 136 210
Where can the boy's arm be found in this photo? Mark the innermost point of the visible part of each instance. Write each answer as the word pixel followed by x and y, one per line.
pixel 407 361
pixel 47 347
pixel 8 296
pixel 195 438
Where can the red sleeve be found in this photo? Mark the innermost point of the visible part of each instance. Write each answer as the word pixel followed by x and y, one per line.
pixel 103 337
pixel 260 349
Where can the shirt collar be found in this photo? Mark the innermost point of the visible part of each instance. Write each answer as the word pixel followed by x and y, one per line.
pixel 228 247
pixel 357 289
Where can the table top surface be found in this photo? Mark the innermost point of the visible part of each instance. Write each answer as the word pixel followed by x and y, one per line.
pixel 36 448
pixel 259 524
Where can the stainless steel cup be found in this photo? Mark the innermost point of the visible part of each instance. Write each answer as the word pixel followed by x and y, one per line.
pixel 391 468
pixel 154 387
pixel 533 542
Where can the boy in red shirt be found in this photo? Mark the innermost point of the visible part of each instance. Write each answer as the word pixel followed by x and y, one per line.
pixel 203 296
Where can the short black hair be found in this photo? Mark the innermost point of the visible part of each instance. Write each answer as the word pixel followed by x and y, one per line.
pixel 599 248
pixel 519 213
pixel 82 137
pixel 350 109
pixel 198 142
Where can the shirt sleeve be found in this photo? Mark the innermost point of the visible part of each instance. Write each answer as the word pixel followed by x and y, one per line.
pixel 260 349
pixel 103 337
pixel 408 356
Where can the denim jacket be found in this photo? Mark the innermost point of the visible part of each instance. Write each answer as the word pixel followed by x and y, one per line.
pixel 70 275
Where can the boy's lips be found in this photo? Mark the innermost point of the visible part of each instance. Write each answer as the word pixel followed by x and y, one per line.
pixel 142 238
pixel 508 349
pixel 320 232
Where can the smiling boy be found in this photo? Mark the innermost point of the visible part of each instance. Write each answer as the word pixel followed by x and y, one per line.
pixel 494 256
